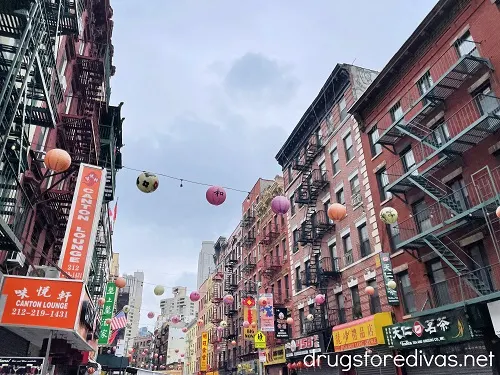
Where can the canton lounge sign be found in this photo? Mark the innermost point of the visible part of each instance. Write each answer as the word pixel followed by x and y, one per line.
pixel 446 328
pixel 304 346
pixel 388 274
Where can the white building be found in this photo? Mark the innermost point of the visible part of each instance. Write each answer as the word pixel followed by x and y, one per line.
pixel 136 284
pixel 206 263
pixel 179 305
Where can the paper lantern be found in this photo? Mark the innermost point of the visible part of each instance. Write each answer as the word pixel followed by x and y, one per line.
pixel 300 364
pixel 233 342
pixel 216 195
pixel 184 330
pixel 280 205
pixel 120 282
pixel 151 315
pixel 289 321
pixel 159 290
pixel 200 322
pixel 320 299
pixel 370 290
pixel 107 321
pixel 263 301
pixel 147 182
pixel 337 211
pixel 182 355
pixel 223 324
pixel 91 370
pixel 101 301
pixel 388 215
pixel 126 309
pixel 156 355
pixel 392 285
pixel 57 160
pixel 498 212
pixel 131 350
pixel 220 329
pixel 253 325
pixel 289 366
pixel 175 319
pixel 310 317
pixel 246 324
pixel 177 350
pixel 194 296
pixel 228 299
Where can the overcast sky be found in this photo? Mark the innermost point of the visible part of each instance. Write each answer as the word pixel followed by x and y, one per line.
pixel 211 90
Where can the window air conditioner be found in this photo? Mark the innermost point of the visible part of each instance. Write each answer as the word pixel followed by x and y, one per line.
pixel 16 257
pixel 43 271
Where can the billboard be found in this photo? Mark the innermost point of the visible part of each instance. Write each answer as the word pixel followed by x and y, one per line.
pixel 79 239
pixel 267 313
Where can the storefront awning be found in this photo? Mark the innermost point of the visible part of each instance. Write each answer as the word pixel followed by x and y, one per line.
pixel 361 333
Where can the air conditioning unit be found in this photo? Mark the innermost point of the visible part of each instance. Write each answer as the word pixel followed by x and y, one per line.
pixel 43 271
pixel 16 258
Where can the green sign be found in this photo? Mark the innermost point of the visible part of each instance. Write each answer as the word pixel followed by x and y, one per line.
pixel 107 313
pixel 441 329
pixel 388 275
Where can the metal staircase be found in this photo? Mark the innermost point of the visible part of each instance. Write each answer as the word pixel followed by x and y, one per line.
pixel 457 265
pixel 438 193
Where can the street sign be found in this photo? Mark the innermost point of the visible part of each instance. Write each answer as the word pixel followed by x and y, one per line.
pixel 260 340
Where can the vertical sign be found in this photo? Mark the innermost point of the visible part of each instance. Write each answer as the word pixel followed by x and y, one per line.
pixel 78 244
pixel 280 324
pixel 204 351
pixel 266 313
pixel 107 313
pixel 250 316
pixel 385 262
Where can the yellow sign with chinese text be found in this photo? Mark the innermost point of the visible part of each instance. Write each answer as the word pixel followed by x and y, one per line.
pixel 275 356
pixel 249 315
pixel 361 333
pixel 204 351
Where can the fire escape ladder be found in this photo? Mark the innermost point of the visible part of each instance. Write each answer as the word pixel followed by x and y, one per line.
pixel 440 194
pixel 457 265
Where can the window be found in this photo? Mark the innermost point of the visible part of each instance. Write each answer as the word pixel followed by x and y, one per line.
pixel 340 196
pixel 440 132
pixel 355 191
pixel 295 235
pixel 325 208
pixel 407 292
pixel 343 109
pixel 383 182
pixel 356 303
pixel 298 283
pixel 334 155
pixel 375 147
pixel 425 83
pixel 346 241
pixel 340 304
pixel 396 112
pixel 421 215
pixel 466 45
pixel 287 287
pixel 364 240
pixel 302 321
pixel 283 247
pixel 322 168
pixel 292 204
pixel 460 192
pixel 307 272
pixel 487 102
pixel 374 299
pixel 329 124
pixel 69 99
pixel 349 149
pixel 393 231
pixel 408 160
pixel 42 139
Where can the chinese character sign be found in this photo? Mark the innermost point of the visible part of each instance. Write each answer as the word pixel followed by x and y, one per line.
pixel 281 329
pixel 107 313
pixel 78 244
pixel 385 263
pixel 266 313
pixel 249 315
pixel 41 303
pixel 204 351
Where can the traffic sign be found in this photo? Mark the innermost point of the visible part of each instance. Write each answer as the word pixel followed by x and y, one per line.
pixel 260 340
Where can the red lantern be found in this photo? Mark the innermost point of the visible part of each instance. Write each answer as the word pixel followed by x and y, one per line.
pixel 216 195
pixel 151 315
pixel 300 364
pixel 101 301
pixel 120 282
pixel 370 290
pixel 337 211
pixel 91 370
pixel 294 366
pixel 289 366
pixel 498 212
pixel 58 160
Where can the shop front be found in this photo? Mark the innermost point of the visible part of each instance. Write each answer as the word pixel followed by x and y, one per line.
pixel 363 338
pixel 248 367
pixel 299 352
pixel 444 344
pixel 275 363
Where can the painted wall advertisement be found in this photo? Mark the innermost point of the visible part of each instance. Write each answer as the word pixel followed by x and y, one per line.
pixel 78 244
pixel 204 351
pixel 388 274
pixel 266 313
pixel 107 313
pixel 281 328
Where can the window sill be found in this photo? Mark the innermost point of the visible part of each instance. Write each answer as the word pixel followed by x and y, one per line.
pixel 336 174
pixel 351 159
pixel 376 156
pixel 386 201
pixel 399 252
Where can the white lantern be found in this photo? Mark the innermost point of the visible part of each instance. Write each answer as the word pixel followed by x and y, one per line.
pixel 223 324
pixel 126 309
pixel 388 215
pixel 392 285
pixel 147 182
pixel 310 317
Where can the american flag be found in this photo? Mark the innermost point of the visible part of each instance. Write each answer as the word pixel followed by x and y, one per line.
pixel 119 321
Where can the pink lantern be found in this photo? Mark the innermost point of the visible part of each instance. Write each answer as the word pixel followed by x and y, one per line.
pixel 175 319
pixel 254 325
pixel 246 324
pixel 319 299
pixel 151 315
pixel 289 321
pixel 120 282
pixel 194 296
pixel 200 322
pixel 184 330
pixel 228 299
pixel 370 290
pixel 263 301
pixel 216 195
pixel 182 355
pixel 233 342
pixel 146 351
pixel 220 329
pixel 498 212
pixel 177 350
pixel 280 205
pixel 156 355
pixel 161 357
pixel 101 301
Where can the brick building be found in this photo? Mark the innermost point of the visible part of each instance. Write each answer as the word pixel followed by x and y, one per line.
pixel 430 125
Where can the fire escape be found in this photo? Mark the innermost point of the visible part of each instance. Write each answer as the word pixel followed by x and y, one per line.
pixel 248 240
pixel 436 147
pixel 272 262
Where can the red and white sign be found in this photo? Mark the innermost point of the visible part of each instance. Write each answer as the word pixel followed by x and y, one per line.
pixel 418 329
pixel 78 245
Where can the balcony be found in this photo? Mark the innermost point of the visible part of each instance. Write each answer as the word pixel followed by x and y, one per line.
pixel 250 289
pixel 309 277
pixel 230 334
pixel 310 151
pixel 249 264
pixel 230 261
pixel 454 292
pixel 247 220
pixel 279 299
pixel 249 239
pixel 329 267
pixel 451 212
pixel 451 71
pixel 231 283
pixel 317 325
pixel 216 295
pixel 230 310
pixel 312 185
pixel 464 129
pixel 270 234
pixel 216 317
pixel 314 229
pixel 272 264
